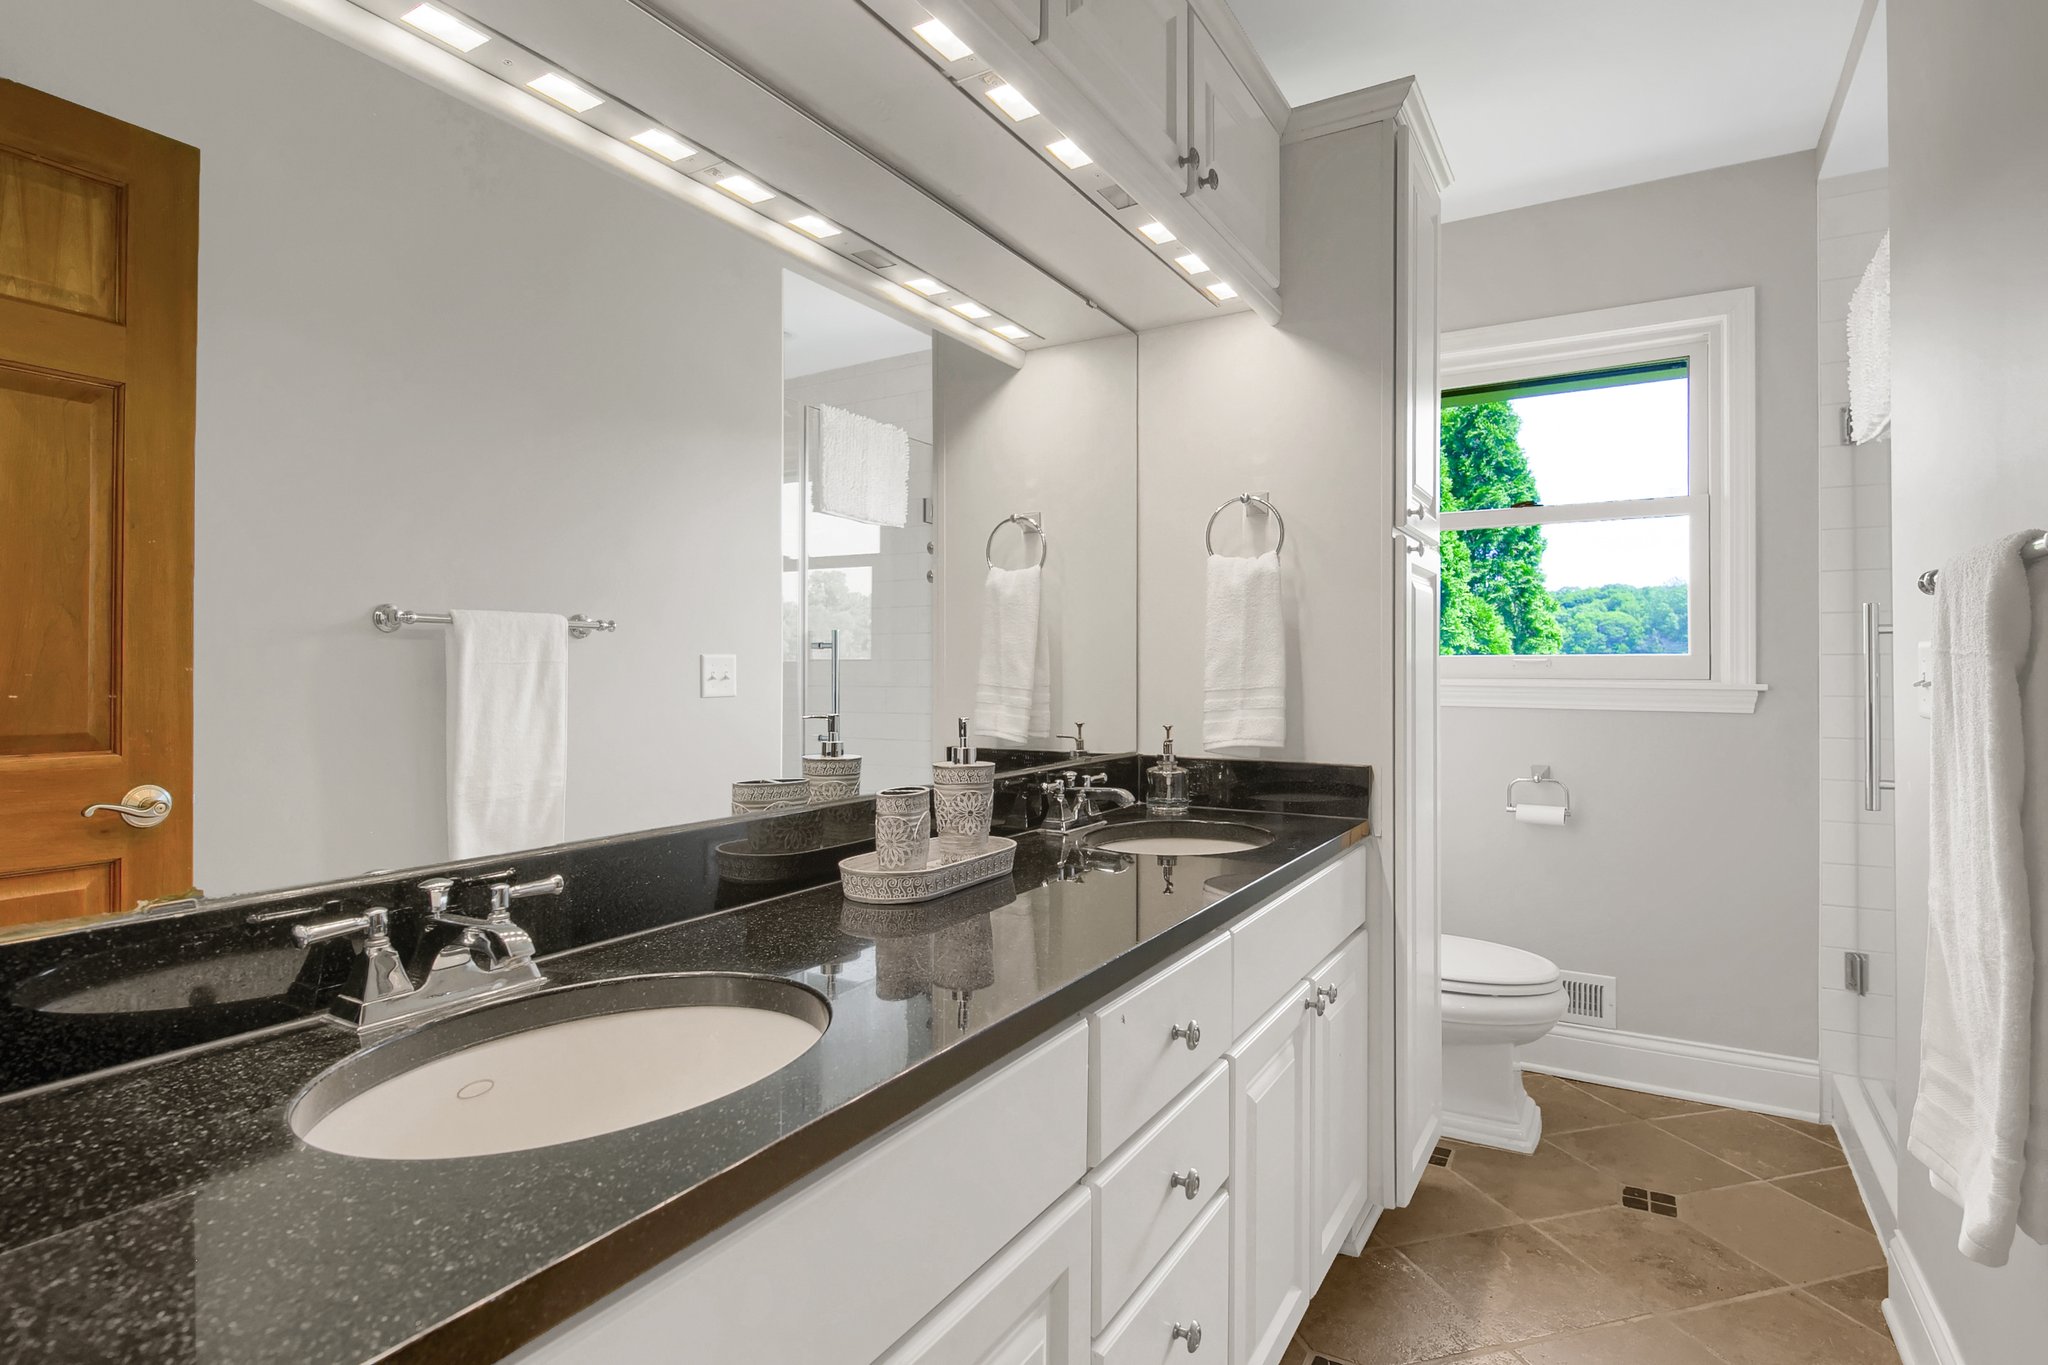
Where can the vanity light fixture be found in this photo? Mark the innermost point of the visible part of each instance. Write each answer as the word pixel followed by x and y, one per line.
pixel 968 308
pixel 927 286
pixel 813 224
pixel 1010 331
pixel 664 144
pixel 942 40
pixel 750 191
pixel 439 23
pixel 1069 155
pixel 1220 290
pixel 565 92
pixel 1158 233
pixel 1011 101
pixel 1191 263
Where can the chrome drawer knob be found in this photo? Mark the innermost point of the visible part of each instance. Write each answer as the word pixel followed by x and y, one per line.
pixel 1191 1032
pixel 1191 1334
pixel 1190 1183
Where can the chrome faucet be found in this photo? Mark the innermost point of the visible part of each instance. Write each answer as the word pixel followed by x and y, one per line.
pixel 1070 801
pixel 460 958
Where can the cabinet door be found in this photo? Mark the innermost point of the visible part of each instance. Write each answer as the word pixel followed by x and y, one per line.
pixel 1417 1009
pixel 1130 58
pixel 1338 1136
pixel 1269 1175
pixel 1416 227
pixel 1028 1306
pixel 1242 150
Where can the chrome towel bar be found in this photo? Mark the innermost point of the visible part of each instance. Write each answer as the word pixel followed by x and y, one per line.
pixel 2036 549
pixel 389 619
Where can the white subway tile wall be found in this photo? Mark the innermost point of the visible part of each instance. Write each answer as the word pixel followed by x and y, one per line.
pixel 1856 846
pixel 885 699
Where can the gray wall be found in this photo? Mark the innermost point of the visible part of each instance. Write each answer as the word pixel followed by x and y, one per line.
pixel 441 364
pixel 1969 183
pixel 1688 869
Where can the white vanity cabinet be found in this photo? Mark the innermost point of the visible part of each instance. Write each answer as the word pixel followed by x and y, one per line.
pixel 1028 1306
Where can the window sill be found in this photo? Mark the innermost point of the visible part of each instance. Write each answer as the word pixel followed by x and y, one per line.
pixel 1594 694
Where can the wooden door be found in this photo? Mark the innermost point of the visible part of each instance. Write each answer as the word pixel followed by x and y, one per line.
pixel 99 256
pixel 1269 1181
pixel 1341 1083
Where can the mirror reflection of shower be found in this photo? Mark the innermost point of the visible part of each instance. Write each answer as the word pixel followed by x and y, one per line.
pixel 857 590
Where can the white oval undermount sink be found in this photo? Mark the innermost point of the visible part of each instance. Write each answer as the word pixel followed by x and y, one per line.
pixel 1180 838
pixel 560 1066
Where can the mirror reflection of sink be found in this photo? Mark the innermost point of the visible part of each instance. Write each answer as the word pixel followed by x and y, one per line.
pixel 560 1066
pixel 1179 838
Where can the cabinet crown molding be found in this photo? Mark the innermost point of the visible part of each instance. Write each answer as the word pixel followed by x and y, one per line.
pixel 1400 100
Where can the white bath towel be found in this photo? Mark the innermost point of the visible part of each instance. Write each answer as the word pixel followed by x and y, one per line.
pixel 1244 667
pixel 1979 1078
pixel 508 732
pixel 863 469
pixel 1870 348
pixel 1013 688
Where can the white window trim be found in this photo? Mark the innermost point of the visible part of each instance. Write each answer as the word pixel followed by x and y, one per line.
pixel 1718 332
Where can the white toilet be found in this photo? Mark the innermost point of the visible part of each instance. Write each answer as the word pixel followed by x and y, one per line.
pixel 1495 999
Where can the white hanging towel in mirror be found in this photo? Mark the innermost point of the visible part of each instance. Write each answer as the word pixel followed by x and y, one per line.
pixel 508 732
pixel 1980 1123
pixel 1013 688
pixel 863 469
pixel 1244 668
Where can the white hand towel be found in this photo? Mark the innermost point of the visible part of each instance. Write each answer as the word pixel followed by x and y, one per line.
pixel 863 468
pixel 508 732
pixel 1869 328
pixel 1971 1118
pixel 1244 667
pixel 1013 689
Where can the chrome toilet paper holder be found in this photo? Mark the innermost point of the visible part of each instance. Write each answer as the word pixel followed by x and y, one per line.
pixel 1539 775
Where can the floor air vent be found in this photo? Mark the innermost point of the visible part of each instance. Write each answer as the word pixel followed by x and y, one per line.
pixel 1589 999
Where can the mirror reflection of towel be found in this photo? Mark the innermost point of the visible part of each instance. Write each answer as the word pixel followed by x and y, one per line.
pixel 508 732
pixel 1013 690
pixel 1244 665
pixel 863 468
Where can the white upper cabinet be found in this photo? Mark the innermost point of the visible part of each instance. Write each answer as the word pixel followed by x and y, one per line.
pixel 1027 15
pixel 1235 185
pixel 1130 58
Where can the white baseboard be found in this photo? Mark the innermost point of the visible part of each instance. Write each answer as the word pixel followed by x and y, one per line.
pixel 1872 1150
pixel 1918 1328
pixel 1735 1077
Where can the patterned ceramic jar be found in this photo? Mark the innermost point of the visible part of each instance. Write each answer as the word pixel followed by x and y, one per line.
pixel 964 797
pixel 832 779
pixel 769 793
pixel 903 829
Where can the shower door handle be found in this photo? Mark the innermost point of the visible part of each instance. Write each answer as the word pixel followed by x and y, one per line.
pixel 1875 784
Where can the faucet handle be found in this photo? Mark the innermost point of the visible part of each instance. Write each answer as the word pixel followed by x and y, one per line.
pixel 373 924
pixel 505 892
pixel 440 891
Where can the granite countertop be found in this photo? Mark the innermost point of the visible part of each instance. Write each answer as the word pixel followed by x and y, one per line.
pixel 164 1212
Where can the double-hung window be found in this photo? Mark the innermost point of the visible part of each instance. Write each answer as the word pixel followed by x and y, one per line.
pixel 1599 534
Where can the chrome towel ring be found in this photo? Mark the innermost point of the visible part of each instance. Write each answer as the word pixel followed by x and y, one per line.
pixel 1031 527
pixel 1246 500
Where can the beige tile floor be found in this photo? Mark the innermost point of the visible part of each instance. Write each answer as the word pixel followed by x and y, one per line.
pixel 1534 1260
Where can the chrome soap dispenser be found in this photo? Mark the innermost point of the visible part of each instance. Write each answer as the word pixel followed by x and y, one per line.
pixel 1166 782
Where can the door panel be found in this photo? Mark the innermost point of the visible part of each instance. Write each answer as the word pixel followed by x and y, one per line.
pixel 1128 56
pixel 1417 232
pixel 99 234
pixel 1340 1090
pixel 1237 142
pixel 1418 1059
pixel 1269 1178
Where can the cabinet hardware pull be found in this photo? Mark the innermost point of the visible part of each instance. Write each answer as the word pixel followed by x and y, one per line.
pixel 1190 1031
pixel 1191 1334
pixel 1191 1182
pixel 1318 1002
pixel 1212 180
pixel 1193 157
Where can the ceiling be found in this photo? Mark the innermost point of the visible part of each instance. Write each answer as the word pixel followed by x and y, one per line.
pixel 1544 99
pixel 823 329
pixel 1860 141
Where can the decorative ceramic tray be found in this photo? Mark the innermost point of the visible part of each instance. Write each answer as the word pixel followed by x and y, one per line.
pixel 952 867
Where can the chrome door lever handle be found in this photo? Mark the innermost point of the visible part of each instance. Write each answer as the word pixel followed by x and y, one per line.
pixel 143 807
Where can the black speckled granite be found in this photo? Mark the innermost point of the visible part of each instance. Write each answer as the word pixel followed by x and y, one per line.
pixel 166 1213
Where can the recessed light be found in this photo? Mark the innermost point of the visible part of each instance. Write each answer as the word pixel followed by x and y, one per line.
pixel 663 143
pixel 927 286
pixel 1069 155
pixel 1160 233
pixel 968 308
pixel 565 92
pixel 439 23
pixel 740 187
pixel 813 224
pixel 1221 290
pixel 942 40
pixel 1011 331
pixel 1011 101
pixel 1191 263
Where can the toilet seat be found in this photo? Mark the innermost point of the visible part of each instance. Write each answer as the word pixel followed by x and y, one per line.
pixel 1476 967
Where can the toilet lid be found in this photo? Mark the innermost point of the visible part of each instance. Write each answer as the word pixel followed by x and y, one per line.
pixel 1473 966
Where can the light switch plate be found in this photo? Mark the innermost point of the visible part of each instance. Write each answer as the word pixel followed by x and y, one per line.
pixel 719 674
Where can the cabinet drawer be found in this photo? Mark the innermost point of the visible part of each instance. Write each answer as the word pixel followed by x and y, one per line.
pixel 1280 944
pixel 1139 1211
pixel 1136 1063
pixel 1191 1289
